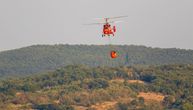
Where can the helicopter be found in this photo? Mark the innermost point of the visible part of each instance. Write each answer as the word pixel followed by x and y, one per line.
pixel 109 30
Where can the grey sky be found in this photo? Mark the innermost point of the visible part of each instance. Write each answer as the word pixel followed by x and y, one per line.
pixel 156 23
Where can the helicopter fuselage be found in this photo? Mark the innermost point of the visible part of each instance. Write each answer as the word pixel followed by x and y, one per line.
pixel 108 30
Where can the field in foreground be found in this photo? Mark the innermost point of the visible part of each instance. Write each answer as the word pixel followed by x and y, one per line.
pixel 102 88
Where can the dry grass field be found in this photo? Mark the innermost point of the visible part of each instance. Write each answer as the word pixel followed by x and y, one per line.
pixel 150 96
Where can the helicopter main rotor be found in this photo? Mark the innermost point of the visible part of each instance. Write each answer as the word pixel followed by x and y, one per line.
pixel 107 20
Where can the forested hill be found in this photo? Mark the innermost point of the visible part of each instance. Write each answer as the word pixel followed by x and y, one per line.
pixel 79 87
pixel 39 58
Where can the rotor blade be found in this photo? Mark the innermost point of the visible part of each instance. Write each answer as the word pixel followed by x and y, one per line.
pixel 116 21
pixel 117 17
pixel 94 24
pixel 110 17
pixel 98 18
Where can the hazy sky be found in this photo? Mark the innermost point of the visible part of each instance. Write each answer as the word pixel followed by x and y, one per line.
pixel 156 23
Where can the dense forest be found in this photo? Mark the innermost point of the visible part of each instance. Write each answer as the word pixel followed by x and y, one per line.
pixel 41 58
pixel 81 87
